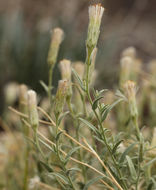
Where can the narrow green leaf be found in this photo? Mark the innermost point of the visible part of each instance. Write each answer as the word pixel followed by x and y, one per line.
pixel 92 127
pixel 122 158
pixel 47 145
pixel 60 176
pixel 46 88
pixel 95 102
pixel 116 146
pixel 58 135
pixel 110 107
pixel 62 116
pixel 102 91
pixel 78 79
pixel 120 94
pixel 131 168
pixel 104 108
pixel 150 162
pixel 91 182
pixel 71 152
pixel 73 170
pixel 47 167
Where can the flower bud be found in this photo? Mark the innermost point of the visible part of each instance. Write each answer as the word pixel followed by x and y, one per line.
pixel 130 52
pixel 126 67
pixel 65 68
pixel 95 16
pixel 32 106
pixel 130 91
pixel 23 99
pixel 56 39
pixel 11 93
pixel 61 94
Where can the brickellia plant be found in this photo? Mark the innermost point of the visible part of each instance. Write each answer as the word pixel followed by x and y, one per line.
pixel 86 143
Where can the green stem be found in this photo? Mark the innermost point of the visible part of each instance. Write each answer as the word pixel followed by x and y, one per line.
pixel 37 143
pixel 26 169
pixel 50 83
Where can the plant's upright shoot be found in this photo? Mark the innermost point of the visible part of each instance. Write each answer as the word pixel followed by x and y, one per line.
pixel 61 94
pixel 32 108
pixel 56 39
pixel 95 16
pixel 93 73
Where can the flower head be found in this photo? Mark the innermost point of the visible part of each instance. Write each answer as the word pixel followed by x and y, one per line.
pixel 61 94
pixel 95 16
pixel 23 98
pixel 130 91
pixel 32 106
pixel 130 51
pixel 65 68
pixel 56 39
pixel 126 67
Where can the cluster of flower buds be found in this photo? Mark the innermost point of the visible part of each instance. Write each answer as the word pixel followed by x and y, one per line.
pixel 32 107
pixel 95 16
pixel 130 92
pixel 56 39
pixel 61 95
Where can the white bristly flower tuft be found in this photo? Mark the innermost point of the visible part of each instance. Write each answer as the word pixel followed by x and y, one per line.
pixel 32 106
pixel 95 16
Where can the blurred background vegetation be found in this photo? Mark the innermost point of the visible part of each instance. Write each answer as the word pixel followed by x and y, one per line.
pixel 25 36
